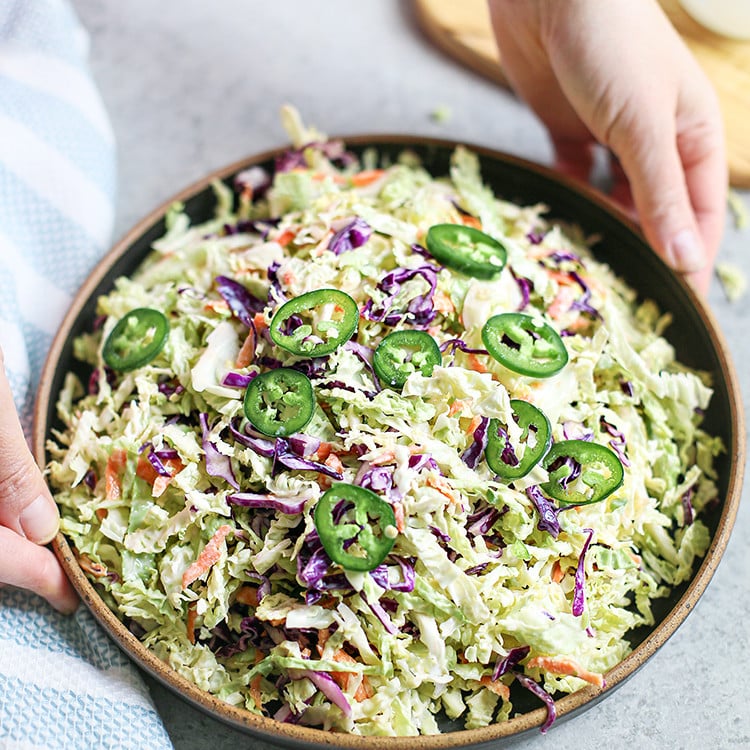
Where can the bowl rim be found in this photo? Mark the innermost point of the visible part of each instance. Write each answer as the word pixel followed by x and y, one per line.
pixel 272 730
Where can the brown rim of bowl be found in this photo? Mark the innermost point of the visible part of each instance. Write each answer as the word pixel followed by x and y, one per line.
pixel 275 731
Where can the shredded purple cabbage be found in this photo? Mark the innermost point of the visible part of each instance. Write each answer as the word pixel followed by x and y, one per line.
pixel 419 250
pixel 290 506
pixel 376 478
pixel 257 442
pixel 284 454
pixel 454 344
pixel 506 663
pixel 419 461
pixel 574 469
pixel 480 523
pixel 420 311
pixel 327 685
pixel 472 455
pixel 254 180
pixel 618 442
pixel 242 304
pixel 381 614
pixel 304 445
pixel 334 151
pixel 626 387
pixel 687 507
pixel 155 459
pixel 583 304
pixel 535 238
pixel 543 695
pixel 353 235
pixel 560 257
pixel 364 354
pixel 476 569
pixel 382 576
pixel 441 535
pixel 276 294
pixel 238 379
pixel 579 591
pixel 264 584
pixel 547 515
pixel 217 464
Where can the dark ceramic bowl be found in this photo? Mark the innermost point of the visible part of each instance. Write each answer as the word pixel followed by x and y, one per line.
pixel 694 334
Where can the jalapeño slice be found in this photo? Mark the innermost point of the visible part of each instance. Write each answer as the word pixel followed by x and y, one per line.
pixel 467 250
pixel 280 402
pixel 595 469
pixel 353 524
pixel 401 353
pixel 315 323
pixel 525 344
pixel 136 339
pixel 536 438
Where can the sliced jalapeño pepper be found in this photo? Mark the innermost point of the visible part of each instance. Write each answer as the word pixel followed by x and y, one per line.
pixel 280 402
pixel 525 344
pixel 467 250
pixel 136 339
pixel 401 353
pixel 356 527
pixel 315 323
pixel 536 438
pixel 593 468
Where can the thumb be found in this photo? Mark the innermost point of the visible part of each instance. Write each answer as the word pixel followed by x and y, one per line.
pixel 652 164
pixel 26 505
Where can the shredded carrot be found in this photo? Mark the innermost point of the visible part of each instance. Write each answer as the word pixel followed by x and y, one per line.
pixel 564 665
pixel 440 484
pixel 288 278
pixel 459 405
pixel 324 450
pixel 334 462
pixel 384 457
pixel 323 635
pixel 115 465
pixel 255 683
pixel 286 237
pixel 247 595
pixel 443 303
pixel 89 566
pixel 562 302
pixel 557 572
pixel 471 221
pixel 475 364
pixel 209 555
pixel 145 470
pixel 364 690
pixel 259 321
pixel 475 422
pixel 192 614
pixel 247 352
pixel 398 511
pixel 635 558
pixel 216 305
pixel 101 513
pixel 497 687
pixel 366 177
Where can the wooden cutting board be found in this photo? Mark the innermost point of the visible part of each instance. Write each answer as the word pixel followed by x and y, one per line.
pixel 462 29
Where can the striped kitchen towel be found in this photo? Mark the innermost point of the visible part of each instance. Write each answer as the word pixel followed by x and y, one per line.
pixel 63 683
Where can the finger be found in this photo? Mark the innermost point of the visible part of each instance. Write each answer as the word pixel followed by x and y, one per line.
pixel 703 157
pixel 26 505
pixel 651 161
pixel 30 566
pixel 620 191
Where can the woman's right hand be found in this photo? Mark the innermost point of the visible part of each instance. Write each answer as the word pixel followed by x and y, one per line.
pixel 28 515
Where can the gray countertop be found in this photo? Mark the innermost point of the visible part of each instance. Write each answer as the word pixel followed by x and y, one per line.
pixel 191 86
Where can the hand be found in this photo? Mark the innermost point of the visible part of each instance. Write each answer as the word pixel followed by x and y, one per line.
pixel 617 73
pixel 28 515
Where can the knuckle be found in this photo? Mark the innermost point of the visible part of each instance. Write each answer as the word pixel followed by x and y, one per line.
pixel 15 483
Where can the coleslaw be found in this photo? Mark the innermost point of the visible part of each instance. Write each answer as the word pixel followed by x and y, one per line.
pixel 201 505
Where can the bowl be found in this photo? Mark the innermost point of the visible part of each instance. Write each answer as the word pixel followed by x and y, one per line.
pixel 694 334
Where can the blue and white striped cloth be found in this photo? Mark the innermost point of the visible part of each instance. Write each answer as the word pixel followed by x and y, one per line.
pixel 63 683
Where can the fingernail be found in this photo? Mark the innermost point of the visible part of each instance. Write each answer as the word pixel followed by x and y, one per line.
pixel 684 252
pixel 40 520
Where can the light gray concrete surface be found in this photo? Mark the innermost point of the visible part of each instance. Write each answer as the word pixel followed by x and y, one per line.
pixel 193 85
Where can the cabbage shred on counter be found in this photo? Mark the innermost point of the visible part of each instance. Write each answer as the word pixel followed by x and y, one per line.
pixel 199 529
